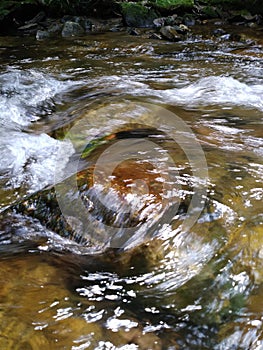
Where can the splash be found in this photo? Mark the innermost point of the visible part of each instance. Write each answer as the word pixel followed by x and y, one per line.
pixel 28 95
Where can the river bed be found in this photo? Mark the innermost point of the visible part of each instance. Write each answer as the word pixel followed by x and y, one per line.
pixel 198 287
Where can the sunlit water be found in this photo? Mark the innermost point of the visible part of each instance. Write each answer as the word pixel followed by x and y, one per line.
pixel 162 287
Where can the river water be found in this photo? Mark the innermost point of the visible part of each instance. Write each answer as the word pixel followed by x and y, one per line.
pixel 198 286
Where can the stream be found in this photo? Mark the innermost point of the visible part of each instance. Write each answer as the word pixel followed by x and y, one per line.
pixel 153 152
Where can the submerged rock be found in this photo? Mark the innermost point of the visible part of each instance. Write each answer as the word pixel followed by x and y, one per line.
pixel 99 208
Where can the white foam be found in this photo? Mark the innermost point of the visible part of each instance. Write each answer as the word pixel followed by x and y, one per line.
pixel 30 160
pixel 26 159
pixel 24 93
pixel 217 90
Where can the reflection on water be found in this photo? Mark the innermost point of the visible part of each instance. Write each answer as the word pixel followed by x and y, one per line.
pixel 191 290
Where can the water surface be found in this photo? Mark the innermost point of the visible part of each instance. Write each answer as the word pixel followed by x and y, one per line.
pixel 181 290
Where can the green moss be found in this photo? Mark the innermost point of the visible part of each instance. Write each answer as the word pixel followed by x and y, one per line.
pixel 173 3
pixel 222 2
pixel 93 145
pixel 210 11
pixel 138 15
pixel 133 7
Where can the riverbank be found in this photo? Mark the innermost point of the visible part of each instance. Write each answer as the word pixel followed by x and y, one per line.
pixel 173 20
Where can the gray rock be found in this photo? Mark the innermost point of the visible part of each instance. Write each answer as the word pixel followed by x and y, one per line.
pixel 38 18
pixel 170 33
pixel 189 21
pixel 28 26
pixel 99 25
pixel 159 22
pixel 42 34
pixel 85 23
pixel 72 29
pixel 55 28
pixel 219 32
pixel 173 20
pixel 167 21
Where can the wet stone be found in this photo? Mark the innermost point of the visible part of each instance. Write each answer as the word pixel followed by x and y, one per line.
pixel 167 21
pixel 189 21
pixel 38 18
pixel 133 31
pixel 112 25
pixel 252 25
pixel 42 34
pixel 219 32
pixel 132 195
pixel 72 29
pixel 182 29
pixel 28 26
pixel 55 28
pixel 136 15
pixel 170 33
pixel 159 22
pixel 155 36
pixel 84 22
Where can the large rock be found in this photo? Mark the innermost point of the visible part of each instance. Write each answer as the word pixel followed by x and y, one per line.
pixel 167 7
pixel 137 15
pixel 72 29
pixel 96 213
pixel 42 34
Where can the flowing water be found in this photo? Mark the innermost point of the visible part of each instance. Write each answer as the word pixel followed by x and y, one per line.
pixel 143 281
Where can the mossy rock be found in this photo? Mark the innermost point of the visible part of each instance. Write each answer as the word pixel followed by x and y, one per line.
pixel 168 4
pixel 166 7
pixel 72 29
pixel 210 11
pixel 137 15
